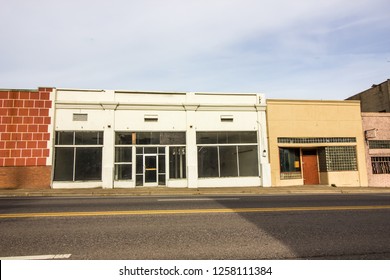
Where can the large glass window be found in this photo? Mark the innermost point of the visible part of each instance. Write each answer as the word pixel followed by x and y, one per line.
pixel 64 164
pixel 123 163
pixel 290 163
pixel 228 161
pixel 248 159
pixel 208 162
pixel 88 163
pixel 218 157
pixel 78 156
pixel 177 162
pixel 289 160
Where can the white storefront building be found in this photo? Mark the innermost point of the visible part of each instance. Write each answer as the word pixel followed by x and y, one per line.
pixel 128 139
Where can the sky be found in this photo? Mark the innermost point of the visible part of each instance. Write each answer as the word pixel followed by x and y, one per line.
pixel 301 49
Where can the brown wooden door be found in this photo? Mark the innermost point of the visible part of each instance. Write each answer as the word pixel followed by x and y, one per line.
pixel 310 167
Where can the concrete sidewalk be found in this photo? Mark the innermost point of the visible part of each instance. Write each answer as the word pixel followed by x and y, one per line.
pixel 164 191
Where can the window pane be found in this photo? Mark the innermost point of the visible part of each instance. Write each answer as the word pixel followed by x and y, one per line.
pixel 139 164
pixel 150 169
pixel 123 172
pixel 228 161
pixel 248 160
pixel 161 164
pixel 139 180
pixel 64 138
pixel 150 150
pixel 148 138
pixel 161 180
pixel 207 162
pixel 88 138
pixel 248 137
pixel 177 162
pixel 88 164
pixel 289 160
pixel 206 137
pixel 123 154
pixel 234 137
pixel 63 165
pixel 222 137
pixel 123 138
pixel 172 138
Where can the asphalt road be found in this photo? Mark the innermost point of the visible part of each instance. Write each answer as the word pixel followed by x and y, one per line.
pixel 198 227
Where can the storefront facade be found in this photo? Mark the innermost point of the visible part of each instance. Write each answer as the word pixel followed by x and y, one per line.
pixel 127 139
pixel 316 142
pixel 377 135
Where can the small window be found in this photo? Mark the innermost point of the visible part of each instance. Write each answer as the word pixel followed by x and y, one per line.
pixel 380 165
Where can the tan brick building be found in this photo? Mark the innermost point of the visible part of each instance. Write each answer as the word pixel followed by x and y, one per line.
pixel 316 142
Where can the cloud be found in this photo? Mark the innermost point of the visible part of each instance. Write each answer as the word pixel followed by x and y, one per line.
pixel 283 47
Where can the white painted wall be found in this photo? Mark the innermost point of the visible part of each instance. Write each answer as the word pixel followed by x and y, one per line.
pixel 111 111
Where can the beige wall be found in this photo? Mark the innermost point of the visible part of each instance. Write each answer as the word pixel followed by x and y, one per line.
pixel 303 118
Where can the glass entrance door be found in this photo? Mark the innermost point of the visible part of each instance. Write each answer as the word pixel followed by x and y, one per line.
pixel 150 170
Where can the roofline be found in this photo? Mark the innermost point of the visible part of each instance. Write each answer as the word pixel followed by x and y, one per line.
pixel 311 101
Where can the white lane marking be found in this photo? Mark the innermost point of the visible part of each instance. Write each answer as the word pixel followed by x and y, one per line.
pixel 198 199
pixel 38 257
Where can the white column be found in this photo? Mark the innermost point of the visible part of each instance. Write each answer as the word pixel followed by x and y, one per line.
pixel 191 150
pixel 108 150
pixel 265 168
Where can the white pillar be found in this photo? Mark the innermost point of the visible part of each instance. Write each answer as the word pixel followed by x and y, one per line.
pixel 191 149
pixel 265 167
pixel 108 147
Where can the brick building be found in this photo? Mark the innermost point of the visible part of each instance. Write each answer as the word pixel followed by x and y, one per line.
pixel 375 107
pixel 377 133
pixel 314 142
pixel 25 138
pixel 375 99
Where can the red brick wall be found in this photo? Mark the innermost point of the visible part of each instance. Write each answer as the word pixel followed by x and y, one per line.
pixel 24 135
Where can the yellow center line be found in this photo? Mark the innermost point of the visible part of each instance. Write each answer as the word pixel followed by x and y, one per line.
pixel 192 211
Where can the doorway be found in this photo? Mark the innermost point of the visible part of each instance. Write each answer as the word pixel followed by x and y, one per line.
pixel 150 170
pixel 310 167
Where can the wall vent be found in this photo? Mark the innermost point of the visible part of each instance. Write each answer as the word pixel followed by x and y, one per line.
pixel 151 118
pixel 80 117
pixel 227 118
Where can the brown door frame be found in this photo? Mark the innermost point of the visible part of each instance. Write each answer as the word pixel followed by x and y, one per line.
pixel 310 171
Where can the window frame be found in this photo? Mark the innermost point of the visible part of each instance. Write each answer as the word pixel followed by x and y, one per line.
pixel 99 144
pixel 214 140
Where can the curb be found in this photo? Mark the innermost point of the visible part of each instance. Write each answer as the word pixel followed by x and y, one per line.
pixel 297 190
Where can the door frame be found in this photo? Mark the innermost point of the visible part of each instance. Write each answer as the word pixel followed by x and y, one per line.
pixel 150 184
pixel 310 168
